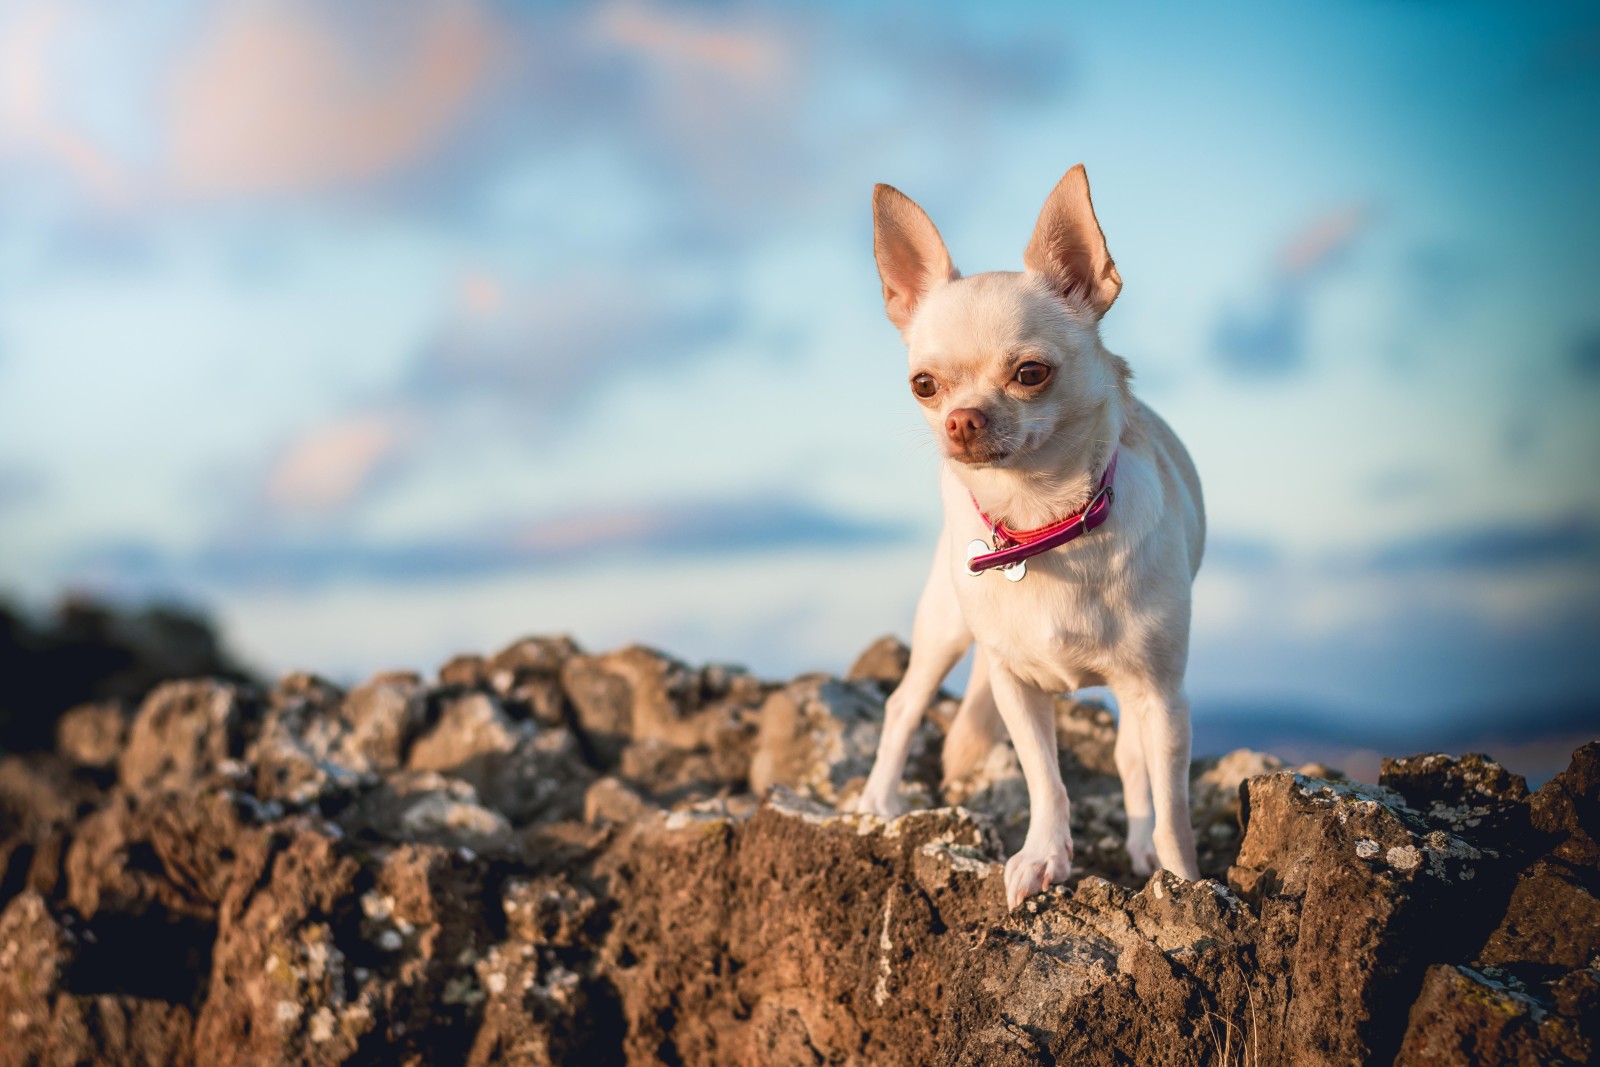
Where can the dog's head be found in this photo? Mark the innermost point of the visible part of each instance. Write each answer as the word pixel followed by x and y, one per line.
pixel 1008 366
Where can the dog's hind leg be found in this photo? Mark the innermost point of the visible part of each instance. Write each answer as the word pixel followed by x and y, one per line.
pixel 939 638
pixel 976 727
pixel 1136 799
pixel 1160 713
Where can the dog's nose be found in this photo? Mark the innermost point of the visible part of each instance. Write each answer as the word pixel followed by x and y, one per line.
pixel 963 425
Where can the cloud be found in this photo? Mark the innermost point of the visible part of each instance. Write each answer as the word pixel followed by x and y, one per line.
pixel 1243 554
pixel 1494 547
pixel 32 42
pixel 705 530
pixel 330 465
pixel 1585 357
pixel 20 487
pixel 537 343
pixel 1268 339
pixel 274 99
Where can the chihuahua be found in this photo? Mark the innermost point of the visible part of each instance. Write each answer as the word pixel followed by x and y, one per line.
pixel 1073 528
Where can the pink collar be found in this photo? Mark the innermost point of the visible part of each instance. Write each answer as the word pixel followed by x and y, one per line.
pixel 1014 546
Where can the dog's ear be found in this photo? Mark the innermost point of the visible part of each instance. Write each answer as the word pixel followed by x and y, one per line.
pixel 911 255
pixel 1069 249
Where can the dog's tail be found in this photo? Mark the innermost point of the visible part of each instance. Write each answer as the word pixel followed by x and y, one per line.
pixel 977 726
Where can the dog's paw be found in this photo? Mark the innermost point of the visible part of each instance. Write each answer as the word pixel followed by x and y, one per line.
pixel 1034 870
pixel 872 802
pixel 1142 846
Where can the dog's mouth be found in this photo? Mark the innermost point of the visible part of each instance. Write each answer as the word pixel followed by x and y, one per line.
pixel 979 457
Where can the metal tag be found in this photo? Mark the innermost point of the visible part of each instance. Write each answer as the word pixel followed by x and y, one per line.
pixel 974 550
pixel 1014 572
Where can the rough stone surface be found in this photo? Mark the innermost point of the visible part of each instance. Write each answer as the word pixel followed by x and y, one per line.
pixel 549 857
pixel 182 731
pixel 92 735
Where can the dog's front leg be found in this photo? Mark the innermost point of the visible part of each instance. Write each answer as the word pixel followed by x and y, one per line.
pixel 1160 714
pixel 939 638
pixel 1046 856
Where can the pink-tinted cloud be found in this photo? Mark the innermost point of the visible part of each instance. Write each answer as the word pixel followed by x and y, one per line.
pixel 673 38
pixel 1324 238
pixel 275 100
pixel 329 466
pixel 31 79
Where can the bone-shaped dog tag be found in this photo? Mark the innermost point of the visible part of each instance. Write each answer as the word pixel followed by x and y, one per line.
pixel 1014 572
pixel 974 550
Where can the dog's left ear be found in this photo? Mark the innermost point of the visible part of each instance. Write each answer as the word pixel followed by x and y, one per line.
pixel 1069 249
pixel 911 255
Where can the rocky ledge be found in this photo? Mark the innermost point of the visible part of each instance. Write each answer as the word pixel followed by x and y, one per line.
pixel 553 857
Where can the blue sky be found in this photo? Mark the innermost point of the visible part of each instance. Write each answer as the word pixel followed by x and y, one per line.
pixel 385 331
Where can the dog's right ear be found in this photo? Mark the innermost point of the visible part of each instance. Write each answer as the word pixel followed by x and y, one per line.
pixel 911 255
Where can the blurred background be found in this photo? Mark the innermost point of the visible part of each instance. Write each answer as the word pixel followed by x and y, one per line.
pixel 381 331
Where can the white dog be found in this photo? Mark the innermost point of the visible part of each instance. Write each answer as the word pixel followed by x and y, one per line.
pixel 1048 458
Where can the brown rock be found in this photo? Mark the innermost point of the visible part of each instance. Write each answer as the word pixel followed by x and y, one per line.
pixel 380 719
pixel 1350 889
pixel 1552 923
pixel 795 936
pixel 34 950
pixel 818 736
pixel 632 694
pixel 611 800
pixel 184 731
pixel 883 661
pixel 1464 1016
pixel 1567 809
pixel 92 735
pixel 470 728
pixel 527 675
pixel 296 755
pixel 466 671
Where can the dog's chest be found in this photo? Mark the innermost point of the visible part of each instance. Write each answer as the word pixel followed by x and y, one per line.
pixel 1050 628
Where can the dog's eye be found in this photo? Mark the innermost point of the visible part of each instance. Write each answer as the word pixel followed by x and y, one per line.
pixel 1031 374
pixel 924 385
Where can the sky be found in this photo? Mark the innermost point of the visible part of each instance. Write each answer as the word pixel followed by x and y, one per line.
pixel 384 330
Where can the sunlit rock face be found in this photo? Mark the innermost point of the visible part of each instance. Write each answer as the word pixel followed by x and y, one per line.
pixel 550 856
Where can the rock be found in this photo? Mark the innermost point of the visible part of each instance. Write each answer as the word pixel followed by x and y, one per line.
pixel 64 998
pixel 527 676
pixel 34 950
pixel 1350 888
pixel 611 800
pixel 1551 924
pixel 637 694
pixel 92 735
pixel 297 753
pixel 1086 733
pixel 1567 810
pixel 817 925
pixel 422 873
pixel 544 1003
pixel 1465 1016
pixel 380 719
pixel 634 694
pixel 428 807
pixel 319 955
pixel 469 729
pixel 884 661
pixel 1107 975
pixel 818 736
pixel 1472 793
pixel 184 731
pixel 466 672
